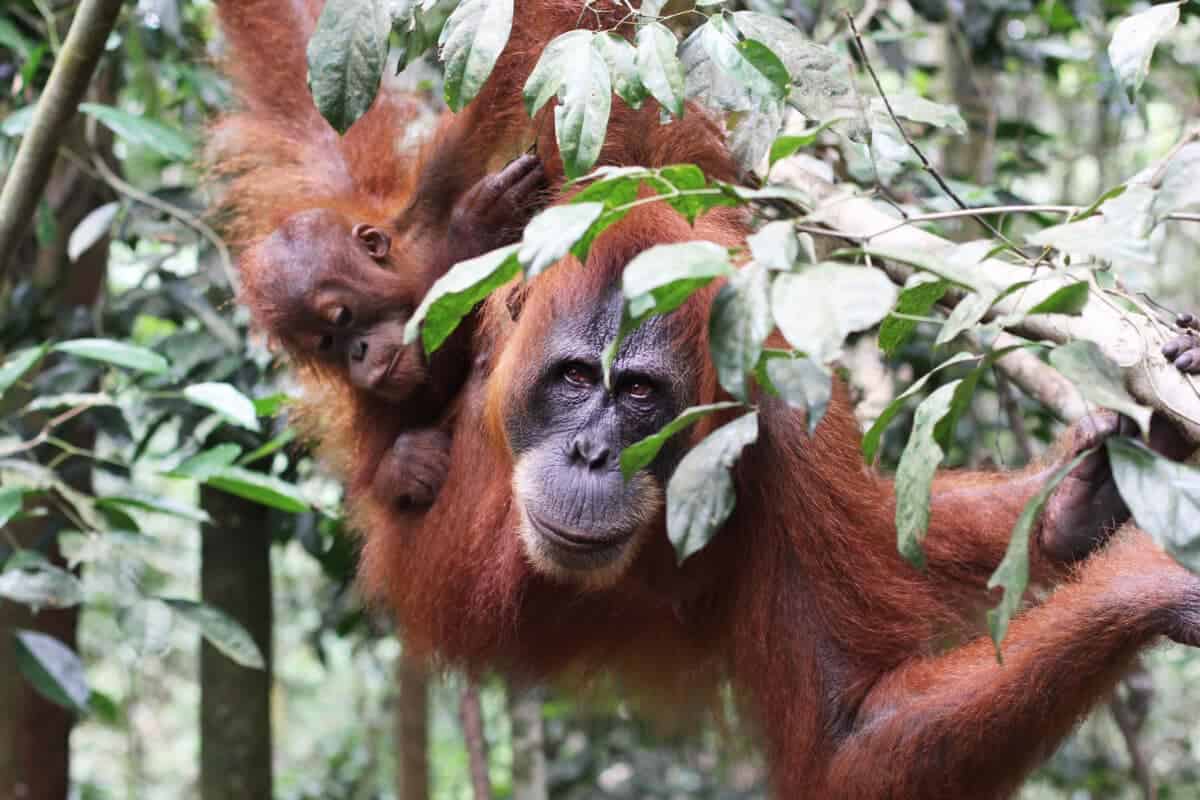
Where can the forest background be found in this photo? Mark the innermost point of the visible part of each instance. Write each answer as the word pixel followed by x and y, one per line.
pixel 177 611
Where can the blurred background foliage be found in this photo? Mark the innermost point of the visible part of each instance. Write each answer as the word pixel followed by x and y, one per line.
pixel 113 529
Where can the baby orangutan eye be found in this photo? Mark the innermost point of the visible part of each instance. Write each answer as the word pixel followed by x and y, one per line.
pixel 342 317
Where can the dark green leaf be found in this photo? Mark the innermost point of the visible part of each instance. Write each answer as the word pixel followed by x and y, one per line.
pixel 456 293
pixel 275 444
pixel 914 476
pixel 346 57
pixel 155 503
pixel 11 500
pixel 53 669
pixel 208 462
pixel 920 294
pixel 470 43
pixel 700 495
pixel 116 353
pixel 870 443
pixel 1070 299
pixel 19 364
pixel 1098 379
pixel 787 145
pixel 263 489
pixel 738 325
pixel 1164 497
pixel 140 131
pixel 641 454
pixel 1012 574
pixel 221 631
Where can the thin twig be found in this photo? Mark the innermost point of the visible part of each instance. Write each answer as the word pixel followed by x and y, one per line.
pixel 44 434
pixel 120 186
pixel 935 216
pixel 925 163
pixel 1128 725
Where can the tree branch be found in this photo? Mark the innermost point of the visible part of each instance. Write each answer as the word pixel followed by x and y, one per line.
pixel 68 81
pixel 1132 341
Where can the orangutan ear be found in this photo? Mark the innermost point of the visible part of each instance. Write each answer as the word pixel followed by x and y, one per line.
pixel 373 239
pixel 516 300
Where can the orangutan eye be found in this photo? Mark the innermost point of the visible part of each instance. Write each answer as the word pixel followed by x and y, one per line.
pixel 578 375
pixel 342 317
pixel 640 390
pixel 326 343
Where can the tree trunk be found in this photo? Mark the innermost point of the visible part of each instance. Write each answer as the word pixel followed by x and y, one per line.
pixel 528 744
pixel 471 714
pixel 412 729
pixel 235 710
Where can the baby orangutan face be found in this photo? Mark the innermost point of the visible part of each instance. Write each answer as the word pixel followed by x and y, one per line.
pixel 335 296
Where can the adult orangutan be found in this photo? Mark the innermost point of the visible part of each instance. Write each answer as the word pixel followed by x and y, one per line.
pixel 865 678
pixel 341 236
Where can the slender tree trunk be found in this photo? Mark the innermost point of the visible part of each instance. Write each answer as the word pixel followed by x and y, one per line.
pixel 528 744
pixel 412 729
pixel 471 713
pixel 235 710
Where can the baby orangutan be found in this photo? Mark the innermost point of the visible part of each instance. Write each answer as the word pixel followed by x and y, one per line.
pixel 336 293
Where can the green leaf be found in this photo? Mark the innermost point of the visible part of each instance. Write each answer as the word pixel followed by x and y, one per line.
pixel 226 400
pixel 914 476
pixel 1098 379
pixel 700 495
pixel 787 145
pixel 920 294
pixel 207 463
pixel 551 234
pixel 1070 299
pixel 270 405
pixel 53 669
pixel 1012 574
pixel 20 364
pixel 870 443
pixel 222 631
pixel 621 57
pixel 1164 496
pixel 660 279
pixel 585 102
pixel 140 131
pixel 688 178
pixel 346 57
pixel 751 63
pixel 738 325
pixel 548 74
pixel 456 293
pixel 154 503
pixel 817 308
pixel 1134 40
pixel 11 500
pixel 268 448
pixel 118 354
pixel 803 384
pixel 642 453
pixel 470 43
pixel 263 489
pixel 41 586
pixel 659 67
pixel 775 246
